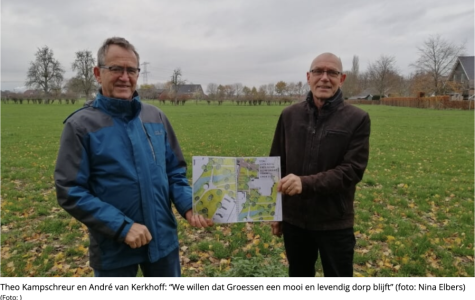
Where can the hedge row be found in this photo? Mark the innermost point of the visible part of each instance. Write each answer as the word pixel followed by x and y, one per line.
pixel 440 102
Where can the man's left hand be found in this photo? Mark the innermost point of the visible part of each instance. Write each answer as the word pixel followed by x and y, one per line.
pixel 197 220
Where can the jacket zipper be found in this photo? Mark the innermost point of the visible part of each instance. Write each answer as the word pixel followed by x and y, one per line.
pixel 314 147
pixel 312 143
pixel 149 139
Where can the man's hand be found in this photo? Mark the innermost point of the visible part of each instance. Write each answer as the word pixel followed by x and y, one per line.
pixel 197 220
pixel 276 228
pixel 290 185
pixel 138 236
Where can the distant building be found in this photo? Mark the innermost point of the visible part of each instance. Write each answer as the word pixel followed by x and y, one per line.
pixel 31 93
pixel 460 79
pixel 190 90
pixel 364 95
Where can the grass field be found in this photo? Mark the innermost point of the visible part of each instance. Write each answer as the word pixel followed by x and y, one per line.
pixel 414 207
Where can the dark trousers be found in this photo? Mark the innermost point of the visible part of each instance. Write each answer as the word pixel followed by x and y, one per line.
pixel 336 248
pixel 168 266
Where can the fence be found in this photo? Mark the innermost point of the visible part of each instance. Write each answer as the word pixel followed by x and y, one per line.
pixel 366 102
pixel 440 102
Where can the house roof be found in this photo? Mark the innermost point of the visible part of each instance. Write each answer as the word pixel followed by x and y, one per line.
pixel 30 92
pixel 364 94
pixel 188 88
pixel 467 64
pixel 361 96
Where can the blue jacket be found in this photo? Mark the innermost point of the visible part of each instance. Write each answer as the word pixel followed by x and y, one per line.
pixel 119 162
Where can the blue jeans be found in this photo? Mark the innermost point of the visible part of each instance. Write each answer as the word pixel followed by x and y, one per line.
pixel 168 266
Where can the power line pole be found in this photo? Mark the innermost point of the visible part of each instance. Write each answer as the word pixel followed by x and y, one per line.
pixel 145 72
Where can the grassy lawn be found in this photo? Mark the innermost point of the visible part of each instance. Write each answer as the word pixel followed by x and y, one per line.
pixel 414 207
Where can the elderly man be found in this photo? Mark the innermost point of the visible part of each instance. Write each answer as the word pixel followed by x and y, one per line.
pixel 118 171
pixel 323 143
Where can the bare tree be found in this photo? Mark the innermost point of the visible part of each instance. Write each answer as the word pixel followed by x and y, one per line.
pixel 281 88
pixel 305 88
pixel 420 83
pixel 351 85
pixel 45 73
pixel 271 90
pixel 291 89
pixel 437 57
pixel 401 86
pixel 363 81
pixel 148 91
pixel 83 65
pixel 72 86
pixel 246 91
pixel 237 89
pixel 175 78
pixel 383 74
pixel 221 93
pixel 262 94
pixel 229 91
pixel 253 96
pixel 161 85
pixel 355 66
pixel 175 81
pixel 212 90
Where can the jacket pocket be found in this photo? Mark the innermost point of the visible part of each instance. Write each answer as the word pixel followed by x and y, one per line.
pixel 341 205
pixel 336 133
pixel 333 147
pixel 330 207
pixel 157 144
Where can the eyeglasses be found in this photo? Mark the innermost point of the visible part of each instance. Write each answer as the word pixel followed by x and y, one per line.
pixel 330 73
pixel 118 70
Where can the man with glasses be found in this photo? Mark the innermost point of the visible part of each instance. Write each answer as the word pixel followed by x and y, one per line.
pixel 323 143
pixel 118 171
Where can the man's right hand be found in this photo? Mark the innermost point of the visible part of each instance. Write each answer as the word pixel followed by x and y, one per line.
pixel 276 228
pixel 138 236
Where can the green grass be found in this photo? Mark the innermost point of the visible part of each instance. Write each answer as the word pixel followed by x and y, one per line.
pixel 414 206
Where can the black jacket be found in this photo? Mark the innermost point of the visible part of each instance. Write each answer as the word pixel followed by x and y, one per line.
pixel 329 150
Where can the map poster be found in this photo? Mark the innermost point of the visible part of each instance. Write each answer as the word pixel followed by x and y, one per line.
pixel 237 189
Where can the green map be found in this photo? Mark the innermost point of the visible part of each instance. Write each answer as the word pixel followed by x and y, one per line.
pixel 237 189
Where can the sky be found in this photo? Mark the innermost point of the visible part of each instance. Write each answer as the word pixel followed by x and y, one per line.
pixel 253 42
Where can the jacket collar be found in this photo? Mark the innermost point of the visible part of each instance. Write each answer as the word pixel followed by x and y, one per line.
pixel 330 104
pixel 118 107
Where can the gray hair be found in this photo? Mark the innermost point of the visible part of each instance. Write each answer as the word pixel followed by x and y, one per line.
pixel 101 54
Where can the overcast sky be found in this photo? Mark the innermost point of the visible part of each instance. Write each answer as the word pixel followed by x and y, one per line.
pixel 252 42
